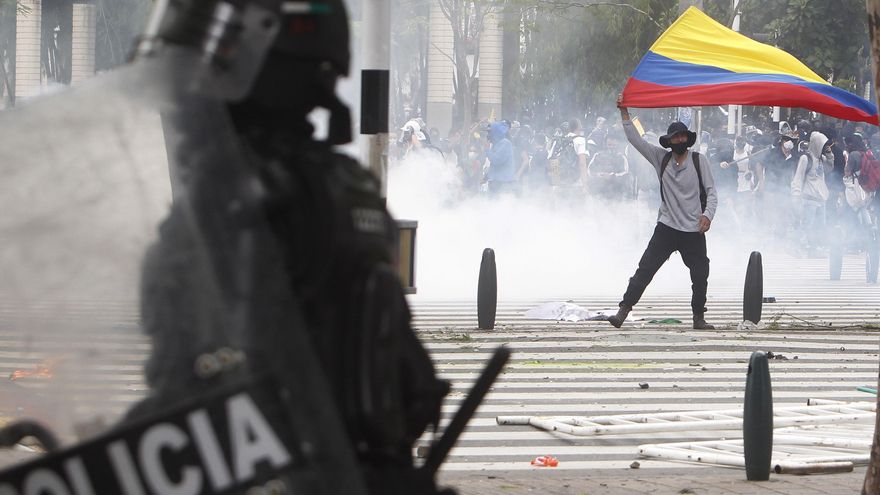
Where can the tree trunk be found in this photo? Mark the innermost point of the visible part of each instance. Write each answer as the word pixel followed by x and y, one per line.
pixel 8 12
pixel 463 94
pixel 871 485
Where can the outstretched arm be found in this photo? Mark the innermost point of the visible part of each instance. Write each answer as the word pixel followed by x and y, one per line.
pixel 624 113
pixel 654 154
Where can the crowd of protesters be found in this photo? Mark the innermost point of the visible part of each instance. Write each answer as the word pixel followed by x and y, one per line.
pixel 507 157
pixel 802 183
pixel 797 181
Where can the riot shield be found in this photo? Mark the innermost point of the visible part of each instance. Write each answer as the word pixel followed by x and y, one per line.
pixel 151 344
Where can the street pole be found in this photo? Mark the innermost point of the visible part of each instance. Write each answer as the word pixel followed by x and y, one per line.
pixel 871 484
pixel 734 111
pixel 375 86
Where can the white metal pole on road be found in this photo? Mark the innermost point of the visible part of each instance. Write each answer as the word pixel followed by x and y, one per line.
pixel 376 39
pixel 734 111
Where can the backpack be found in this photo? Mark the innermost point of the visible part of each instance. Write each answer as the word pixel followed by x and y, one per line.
pixel 665 163
pixel 569 166
pixel 869 172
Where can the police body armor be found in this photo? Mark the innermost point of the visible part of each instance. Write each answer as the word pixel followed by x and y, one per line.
pixel 317 225
pixel 339 239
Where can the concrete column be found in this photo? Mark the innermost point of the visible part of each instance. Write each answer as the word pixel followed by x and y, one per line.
pixel 440 71
pixel 28 78
pixel 491 55
pixel 83 45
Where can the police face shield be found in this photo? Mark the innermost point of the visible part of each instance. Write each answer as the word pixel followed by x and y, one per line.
pixel 217 48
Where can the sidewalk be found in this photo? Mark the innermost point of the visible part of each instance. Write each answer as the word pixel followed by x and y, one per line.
pixel 710 481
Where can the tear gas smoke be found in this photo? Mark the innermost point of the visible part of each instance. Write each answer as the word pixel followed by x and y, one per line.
pixel 544 248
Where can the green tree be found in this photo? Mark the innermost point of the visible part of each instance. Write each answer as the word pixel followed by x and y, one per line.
pixel 409 58
pixel 577 54
pixel 829 37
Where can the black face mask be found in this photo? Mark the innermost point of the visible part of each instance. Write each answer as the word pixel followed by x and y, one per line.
pixel 679 148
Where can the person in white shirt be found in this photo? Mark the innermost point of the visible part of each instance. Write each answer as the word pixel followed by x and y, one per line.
pixel 749 179
pixel 579 142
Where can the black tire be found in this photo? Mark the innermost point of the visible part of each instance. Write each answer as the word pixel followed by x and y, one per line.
pixel 753 291
pixel 758 419
pixel 487 291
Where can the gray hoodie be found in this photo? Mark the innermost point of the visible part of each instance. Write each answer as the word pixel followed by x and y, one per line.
pixel 808 183
pixel 681 187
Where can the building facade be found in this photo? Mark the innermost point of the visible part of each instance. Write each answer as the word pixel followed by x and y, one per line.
pixel 441 71
pixel 54 44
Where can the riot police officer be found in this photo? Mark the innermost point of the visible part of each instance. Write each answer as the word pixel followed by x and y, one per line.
pixel 281 249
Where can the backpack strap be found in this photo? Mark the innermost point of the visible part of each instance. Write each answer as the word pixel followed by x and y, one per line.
pixel 663 165
pixel 696 157
pixel 700 180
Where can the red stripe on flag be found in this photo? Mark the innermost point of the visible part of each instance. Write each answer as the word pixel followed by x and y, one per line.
pixel 641 94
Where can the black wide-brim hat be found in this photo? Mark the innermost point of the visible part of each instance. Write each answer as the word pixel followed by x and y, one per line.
pixel 676 128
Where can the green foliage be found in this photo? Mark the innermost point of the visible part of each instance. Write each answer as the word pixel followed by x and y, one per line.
pixel 409 54
pixel 829 37
pixel 577 59
pixel 579 53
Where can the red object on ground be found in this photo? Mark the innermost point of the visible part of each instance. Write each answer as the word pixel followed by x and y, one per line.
pixel 545 461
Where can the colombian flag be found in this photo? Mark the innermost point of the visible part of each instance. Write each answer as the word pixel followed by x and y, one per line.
pixel 697 61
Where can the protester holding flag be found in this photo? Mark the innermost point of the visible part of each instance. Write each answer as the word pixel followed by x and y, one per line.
pixel 688 202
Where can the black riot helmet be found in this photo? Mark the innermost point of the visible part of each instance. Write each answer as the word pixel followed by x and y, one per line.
pixel 309 54
pixel 262 56
pixel 317 31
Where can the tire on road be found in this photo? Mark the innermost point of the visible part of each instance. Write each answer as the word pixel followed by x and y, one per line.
pixel 758 419
pixel 487 291
pixel 753 291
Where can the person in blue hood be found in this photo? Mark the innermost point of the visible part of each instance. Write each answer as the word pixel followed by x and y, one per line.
pixel 502 169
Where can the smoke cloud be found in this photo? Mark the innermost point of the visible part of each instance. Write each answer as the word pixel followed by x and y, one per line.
pixel 545 248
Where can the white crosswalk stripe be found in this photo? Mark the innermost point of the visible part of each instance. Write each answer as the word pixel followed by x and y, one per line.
pixel 823 333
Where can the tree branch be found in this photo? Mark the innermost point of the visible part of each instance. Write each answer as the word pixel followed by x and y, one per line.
pixel 561 5
pixel 742 4
pixel 442 52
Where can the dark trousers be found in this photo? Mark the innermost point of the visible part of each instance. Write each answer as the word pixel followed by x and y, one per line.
pixel 691 246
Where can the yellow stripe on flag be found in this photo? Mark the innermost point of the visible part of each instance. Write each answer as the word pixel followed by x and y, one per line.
pixel 698 39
